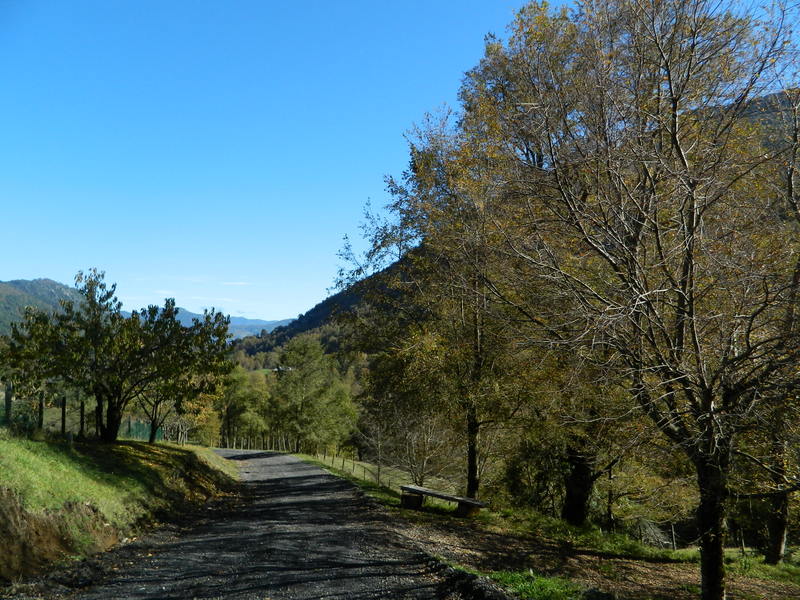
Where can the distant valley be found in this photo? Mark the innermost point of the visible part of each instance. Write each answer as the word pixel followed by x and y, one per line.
pixel 46 294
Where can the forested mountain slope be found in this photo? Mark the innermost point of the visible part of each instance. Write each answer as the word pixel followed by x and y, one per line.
pixel 360 293
pixel 41 293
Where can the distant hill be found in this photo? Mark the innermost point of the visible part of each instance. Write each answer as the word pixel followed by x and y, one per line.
pixel 45 294
pixel 240 326
pixel 773 113
pixel 309 322
pixel 323 315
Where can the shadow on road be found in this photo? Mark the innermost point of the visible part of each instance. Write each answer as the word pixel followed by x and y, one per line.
pixel 296 533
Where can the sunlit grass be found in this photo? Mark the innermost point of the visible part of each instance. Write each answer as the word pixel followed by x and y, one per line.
pixel 531 586
pixel 751 564
pixel 123 481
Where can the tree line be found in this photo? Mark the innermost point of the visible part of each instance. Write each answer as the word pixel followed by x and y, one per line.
pixel 181 380
pixel 91 348
pixel 595 268
pixel 303 402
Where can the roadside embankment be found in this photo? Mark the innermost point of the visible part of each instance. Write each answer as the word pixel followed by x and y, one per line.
pixel 58 501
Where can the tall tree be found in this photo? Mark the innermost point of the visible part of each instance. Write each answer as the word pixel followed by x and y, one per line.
pixel 441 224
pixel 312 402
pixel 243 405
pixel 638 181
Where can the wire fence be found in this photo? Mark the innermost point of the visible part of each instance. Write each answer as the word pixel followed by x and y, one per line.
pixel 384 475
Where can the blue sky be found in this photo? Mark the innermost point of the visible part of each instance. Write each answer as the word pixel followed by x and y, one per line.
pixel 214 152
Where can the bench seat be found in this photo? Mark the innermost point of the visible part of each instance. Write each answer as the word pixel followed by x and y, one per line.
pixel 413 497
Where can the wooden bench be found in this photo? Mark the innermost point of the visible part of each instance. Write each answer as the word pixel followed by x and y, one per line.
pixel 413 497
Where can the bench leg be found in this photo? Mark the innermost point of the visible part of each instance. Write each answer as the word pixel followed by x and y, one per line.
pixel 467 510
pixel 411 501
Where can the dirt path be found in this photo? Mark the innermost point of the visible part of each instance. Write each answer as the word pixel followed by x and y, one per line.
pixel 298 533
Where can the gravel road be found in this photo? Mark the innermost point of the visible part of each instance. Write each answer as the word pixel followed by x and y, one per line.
pixel 297 533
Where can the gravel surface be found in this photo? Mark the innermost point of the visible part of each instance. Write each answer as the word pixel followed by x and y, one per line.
pixel 296 533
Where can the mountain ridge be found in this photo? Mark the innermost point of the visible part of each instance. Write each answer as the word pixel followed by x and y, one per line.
pixel 46 294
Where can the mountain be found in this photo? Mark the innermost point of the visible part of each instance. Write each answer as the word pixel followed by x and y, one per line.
pixel 321 314
pixel 773 114
pixel 240 326
pixel 325 315
pixel 311 321
pixel 45 294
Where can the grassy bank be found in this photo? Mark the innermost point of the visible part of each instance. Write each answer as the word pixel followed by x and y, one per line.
pixel 58 501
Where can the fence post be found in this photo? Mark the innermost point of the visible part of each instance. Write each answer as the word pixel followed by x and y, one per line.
pixel 82 433
pixel 64 415
pixel 8 398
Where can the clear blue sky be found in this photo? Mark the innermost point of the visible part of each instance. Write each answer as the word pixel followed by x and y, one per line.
pixel 214 152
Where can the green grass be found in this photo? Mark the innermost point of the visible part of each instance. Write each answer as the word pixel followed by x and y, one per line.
pixel 522 521
pixel 228 467
pixel 752 565
pixel 531 586
pixel 124 481
pixel 46 476
pixel 81 498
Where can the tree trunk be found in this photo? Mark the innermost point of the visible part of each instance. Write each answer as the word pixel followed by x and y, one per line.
pixel 9 396
pixel 473 427
pixel 110 430
pixel 153 426
pixel 153 432
pixel 777 527
pixel 82 433
pixel 778 519
pixel 578 485
pixel 98 416
pixel 610 505
pixel 712 481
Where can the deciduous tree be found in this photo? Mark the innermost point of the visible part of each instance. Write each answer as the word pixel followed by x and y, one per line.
pixel 643 206
pixel 93 347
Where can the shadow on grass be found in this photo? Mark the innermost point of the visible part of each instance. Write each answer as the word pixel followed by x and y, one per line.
pixel 170 476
